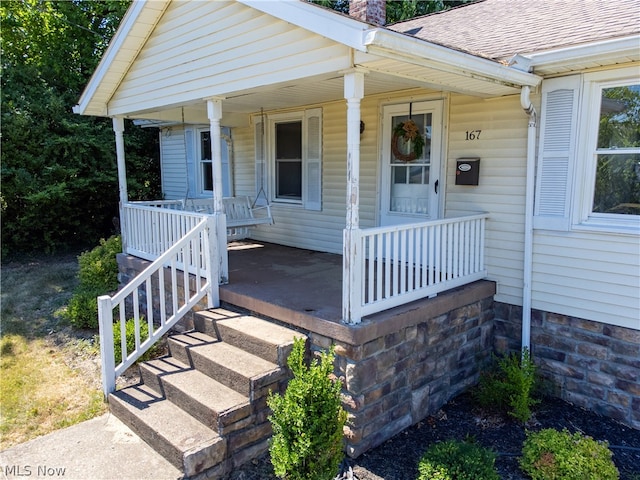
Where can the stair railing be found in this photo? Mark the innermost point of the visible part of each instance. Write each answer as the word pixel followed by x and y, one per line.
pixel 188 270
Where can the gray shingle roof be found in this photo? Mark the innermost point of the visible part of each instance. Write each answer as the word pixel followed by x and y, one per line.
pixel 498 29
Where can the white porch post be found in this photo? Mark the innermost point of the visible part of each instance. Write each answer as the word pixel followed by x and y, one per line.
pixel 118 128
pixel 351 258
pixel 214 112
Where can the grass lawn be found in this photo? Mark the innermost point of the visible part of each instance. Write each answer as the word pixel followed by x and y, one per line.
pixel 49 371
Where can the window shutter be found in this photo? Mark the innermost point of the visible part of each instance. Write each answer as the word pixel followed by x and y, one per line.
pixel 556 156
pixel 312 179
pixel 227 181
pixel 261 165
pixel 190 151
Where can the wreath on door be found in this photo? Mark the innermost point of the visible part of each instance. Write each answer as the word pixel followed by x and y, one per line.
pixel 410 133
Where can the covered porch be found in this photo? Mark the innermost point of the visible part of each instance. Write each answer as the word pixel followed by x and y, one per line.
pixel 336 88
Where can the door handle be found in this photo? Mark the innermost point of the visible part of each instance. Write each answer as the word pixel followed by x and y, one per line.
pixel 435 185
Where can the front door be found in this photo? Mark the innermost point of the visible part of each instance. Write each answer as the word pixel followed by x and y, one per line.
pixel 411 168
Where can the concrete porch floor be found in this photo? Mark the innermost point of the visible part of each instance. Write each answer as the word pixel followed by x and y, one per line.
pixel 301 280
pixel 303 288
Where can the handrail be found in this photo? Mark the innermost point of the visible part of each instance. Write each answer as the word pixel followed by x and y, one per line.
pixel 192 256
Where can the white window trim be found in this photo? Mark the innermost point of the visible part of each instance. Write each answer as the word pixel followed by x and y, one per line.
pixel 583 217
pixel 199 177
pixel 311 158
pixel 273 120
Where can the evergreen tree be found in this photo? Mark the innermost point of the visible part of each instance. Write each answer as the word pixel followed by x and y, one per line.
pixel 58 169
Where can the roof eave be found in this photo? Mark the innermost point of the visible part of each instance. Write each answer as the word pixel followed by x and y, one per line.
pixel 396 45
pixel 603 52
pixel 84 106
pixel 324 22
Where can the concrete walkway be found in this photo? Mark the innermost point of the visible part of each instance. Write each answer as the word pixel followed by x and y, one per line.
pixel 99 449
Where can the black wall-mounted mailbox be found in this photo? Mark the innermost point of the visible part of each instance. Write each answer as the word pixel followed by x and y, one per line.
pixel 467 171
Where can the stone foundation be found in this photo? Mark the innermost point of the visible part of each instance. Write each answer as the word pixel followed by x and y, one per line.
pixel 397 379
pixel 589 364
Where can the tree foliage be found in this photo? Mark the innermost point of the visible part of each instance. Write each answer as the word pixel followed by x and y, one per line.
pixel 59 174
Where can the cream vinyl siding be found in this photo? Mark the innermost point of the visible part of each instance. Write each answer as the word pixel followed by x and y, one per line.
pixel 317 230
pixel 173 163
pixel 501 189
pixel 246 49
pixel 579 270
pixel 588 275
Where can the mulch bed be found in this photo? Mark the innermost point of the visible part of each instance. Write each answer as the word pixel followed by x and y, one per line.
pixel 397 458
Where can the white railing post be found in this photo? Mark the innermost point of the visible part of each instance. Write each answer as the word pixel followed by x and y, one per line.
pixel 124 228
pixel 222 254
pixel 105 324
pixel 352 273
pixel 213 259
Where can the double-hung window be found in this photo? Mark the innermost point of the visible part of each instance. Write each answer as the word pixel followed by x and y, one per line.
pixel 288 161
pixel 616 186
pixel 288 150
pixel 588 174
pixel 205 162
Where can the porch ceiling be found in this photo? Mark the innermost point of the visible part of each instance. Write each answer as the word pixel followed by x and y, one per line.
pixel 381 76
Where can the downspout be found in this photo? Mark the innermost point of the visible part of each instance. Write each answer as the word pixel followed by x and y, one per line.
pixel 526 104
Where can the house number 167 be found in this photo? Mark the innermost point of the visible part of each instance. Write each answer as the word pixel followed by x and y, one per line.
pixel 473 134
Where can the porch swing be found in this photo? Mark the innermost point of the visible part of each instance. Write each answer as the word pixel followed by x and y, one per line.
pixel 241 212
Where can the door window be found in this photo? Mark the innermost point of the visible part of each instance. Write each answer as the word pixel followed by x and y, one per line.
pixel 409 189
pixel 410 171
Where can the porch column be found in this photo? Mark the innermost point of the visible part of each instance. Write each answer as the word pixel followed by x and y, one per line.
pixel 351 258
pixel 118 128
pixel 214 112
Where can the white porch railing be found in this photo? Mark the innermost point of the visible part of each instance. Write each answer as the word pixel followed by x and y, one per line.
pixel 150 228
pixel 400 264
pixel 191 276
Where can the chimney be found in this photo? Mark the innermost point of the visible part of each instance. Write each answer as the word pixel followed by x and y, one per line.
pixel 370 11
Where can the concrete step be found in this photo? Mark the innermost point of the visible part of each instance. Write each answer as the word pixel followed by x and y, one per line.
pixel 215 405
pixel 176 435
pixel 244 372
pixel 255 335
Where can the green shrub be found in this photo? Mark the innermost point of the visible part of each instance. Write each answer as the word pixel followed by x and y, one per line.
pixel 98 267
pixel 457 460
pixel 82 310
pixel 307 420
pixel 97 275
pixel 131 339
pixel 510 386
pixel 553 455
